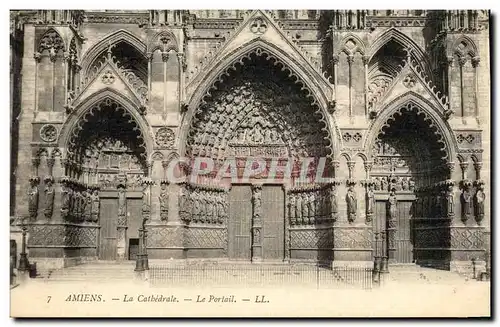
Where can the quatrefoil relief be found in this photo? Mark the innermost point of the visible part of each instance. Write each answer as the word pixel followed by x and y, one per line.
pixel 258 26
pixel 108 77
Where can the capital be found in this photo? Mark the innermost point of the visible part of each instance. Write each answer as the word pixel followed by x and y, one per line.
pixel 475 61
pixel 368 166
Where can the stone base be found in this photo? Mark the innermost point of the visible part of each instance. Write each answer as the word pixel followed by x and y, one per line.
pixel 352 264
pixel 167 253
pixel 466 268
pixel 352 242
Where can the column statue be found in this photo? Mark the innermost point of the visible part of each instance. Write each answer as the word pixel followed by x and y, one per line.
pixel 65 200
pixel 291 209
pixel 467 202
pixel 49 197
pixel 352 204
pixel 33 198
pixel 298 208
pixel 163 198
pixel 450 202
pixel 333 203
pixel 96 205
pixel 305 208
pixel 392 204
pixel 479 203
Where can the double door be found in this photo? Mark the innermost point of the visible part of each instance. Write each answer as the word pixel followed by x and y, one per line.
pixel 111 233
pixel 399 237
pixel 272 233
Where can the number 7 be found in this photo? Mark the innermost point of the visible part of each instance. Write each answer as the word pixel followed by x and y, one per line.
pixel 48 298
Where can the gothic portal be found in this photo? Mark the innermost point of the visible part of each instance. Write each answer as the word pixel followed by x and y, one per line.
pixel 391 106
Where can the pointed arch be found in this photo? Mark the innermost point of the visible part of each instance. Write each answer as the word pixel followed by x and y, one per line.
pixel 439 126
pixel 118 36
pixel 405 41
pixel 76 117
pixel 296 73
pixel 468 47
pixel 163 40
pixel 357 46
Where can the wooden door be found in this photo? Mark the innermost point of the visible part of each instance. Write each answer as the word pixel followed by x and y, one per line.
pixel 273 223
pixel 403 239
pixel 108 234
pixel 134 221
pixel 240 222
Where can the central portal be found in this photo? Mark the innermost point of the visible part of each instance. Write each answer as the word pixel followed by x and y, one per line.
pixel 269 242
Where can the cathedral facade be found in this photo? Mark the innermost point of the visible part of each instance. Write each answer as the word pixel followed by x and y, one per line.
pixel 109 106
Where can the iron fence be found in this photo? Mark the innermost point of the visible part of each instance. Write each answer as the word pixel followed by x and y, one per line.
pixel 260 276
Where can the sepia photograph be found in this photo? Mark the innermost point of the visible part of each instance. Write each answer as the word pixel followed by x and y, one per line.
pixel 250 163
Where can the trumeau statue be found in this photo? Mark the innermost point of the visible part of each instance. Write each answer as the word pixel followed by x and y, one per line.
pixel 352 204
pixel 163 202
pixel 392 203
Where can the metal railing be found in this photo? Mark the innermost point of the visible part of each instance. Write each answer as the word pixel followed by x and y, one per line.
pixel 257 275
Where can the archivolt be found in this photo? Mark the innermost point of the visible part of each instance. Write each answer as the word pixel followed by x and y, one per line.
pixel 68 138
pixel 411 102
pixel 319 101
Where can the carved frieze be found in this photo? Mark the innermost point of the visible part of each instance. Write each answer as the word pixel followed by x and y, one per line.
pixel 203 205
pixel 352 138
pixel 468 139
pixel 308 207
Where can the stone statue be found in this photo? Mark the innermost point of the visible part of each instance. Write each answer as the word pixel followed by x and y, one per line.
pixel 333 202
pixel 83 204
pixel 305 208
pixel 49 198
pixel 450 202
pixel 220 210
pixel 210 207
pixel 122 202
pixel 196 206
pixel 405 184
pixel 479 203
pixel 370 200
pixel 33 198
pixel 257 203
pixel 203 206
pixel 291 209
pixel 467 203
pixel 96 205
pixel 310 208
pixel 88 206
pixel 65 199
pixel 392 206
pixel 352 204
pixel 163 198
pixel 298 208
pixel 384 184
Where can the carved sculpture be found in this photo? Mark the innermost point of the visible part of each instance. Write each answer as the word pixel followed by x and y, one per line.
pixel 122 207
pixel 96 205
pixel 291 209
pixel 33 198
pixel 370 202
pixel 333 203
pixel 88 206
pixel 65 200
pixel 392 206
pixel 164 202
pixel 310 208
pixel 298 208
pixel 305 208
pixel 49 197
pixel 352 204
pixel 384 184
pixel 450 201
pixel 479 203
pixel 467 202
pixel 257 203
